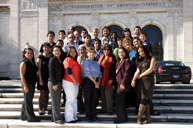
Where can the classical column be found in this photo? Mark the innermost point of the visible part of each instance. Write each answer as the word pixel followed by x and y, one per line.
pixel 14 39
pixel 43 21
pixel 188 32
pixel 170 44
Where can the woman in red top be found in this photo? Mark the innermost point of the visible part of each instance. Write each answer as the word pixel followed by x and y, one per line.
pixel 107 63
pixel 70 83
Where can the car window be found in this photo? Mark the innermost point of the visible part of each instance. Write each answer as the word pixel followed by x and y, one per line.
pixel 172 64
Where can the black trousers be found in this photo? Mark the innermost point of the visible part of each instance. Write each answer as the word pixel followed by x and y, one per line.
pixel 120 106
pixel 91 98
pixel 81 106
pixel 27 112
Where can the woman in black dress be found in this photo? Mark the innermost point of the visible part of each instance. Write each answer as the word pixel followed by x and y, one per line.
pixel 43 73
pixel 28 72
pixel 145 75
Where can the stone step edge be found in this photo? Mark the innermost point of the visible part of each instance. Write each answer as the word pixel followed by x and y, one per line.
pixel 103 124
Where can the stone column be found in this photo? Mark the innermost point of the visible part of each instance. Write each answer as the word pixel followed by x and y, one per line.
pixel 169 45
pixel 14 39
pixel 188 33
pixel 43 21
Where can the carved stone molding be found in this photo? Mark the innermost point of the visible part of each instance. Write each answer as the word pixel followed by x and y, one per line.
pixel 175 3
pixel 179 13
pixel 132 13
pixel 170 13
pixel 4 1
pixel 28 5
pixel 55 7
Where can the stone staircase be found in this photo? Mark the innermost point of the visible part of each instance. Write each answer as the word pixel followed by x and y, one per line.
pixel 173 101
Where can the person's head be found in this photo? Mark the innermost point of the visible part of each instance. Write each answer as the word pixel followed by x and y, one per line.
pixel 105 31
pixel 71 30
pixel 143 36
pixel 84 32
pixel 87 39
pixel 97 44
pixel 46 47
pixel 82 50
pixel 142 53
pixel 127 43
pixel 136 42
pixel 57 50
pixel 71 52
pixel 62 34
pixel 91 53
pixel 114 35
pixel 107 49
pixel 95 32
pixel 120 42
pixel 28 54
pixel 122 54
pixel 60 43
pixel 137 30
pixel 71 38
pixel 76 35
pixel 50 36
pixel 127 33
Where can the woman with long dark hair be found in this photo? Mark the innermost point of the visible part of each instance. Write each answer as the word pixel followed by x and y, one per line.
pixel 28 72
pixel 71 82
pixel 127 33
pixel 145 75
pixel 123 71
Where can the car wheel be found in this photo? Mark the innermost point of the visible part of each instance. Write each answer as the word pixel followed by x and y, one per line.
pixel 155 79
pixel 187 82
pixel 172 82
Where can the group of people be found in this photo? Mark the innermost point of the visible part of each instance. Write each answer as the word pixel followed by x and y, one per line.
pixel 111 69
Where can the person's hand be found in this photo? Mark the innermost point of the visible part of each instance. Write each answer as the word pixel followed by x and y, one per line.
pixel 110 82
pixel 26 90
pixel 76 83
pixel 133 83
pixel 122 87
pixel 55 87
pixel 41 82
pixel 97 84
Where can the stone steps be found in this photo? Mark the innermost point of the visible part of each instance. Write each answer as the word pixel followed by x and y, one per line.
pixel 161 109
pixel 15 123
pixel 131 116
pixel 155 96
pixel 173 101
pixel 161 102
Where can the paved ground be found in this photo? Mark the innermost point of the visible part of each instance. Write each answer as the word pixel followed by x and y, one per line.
pixel 104 124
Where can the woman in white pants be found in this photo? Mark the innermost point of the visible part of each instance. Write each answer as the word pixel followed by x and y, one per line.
pixel 70 83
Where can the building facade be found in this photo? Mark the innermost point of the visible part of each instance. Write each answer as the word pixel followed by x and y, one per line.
pixel 168 23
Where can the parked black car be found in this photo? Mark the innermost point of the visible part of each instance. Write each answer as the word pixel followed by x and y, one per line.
pixel 172 71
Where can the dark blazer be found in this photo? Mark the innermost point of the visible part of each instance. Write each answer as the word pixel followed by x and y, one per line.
pixel 56 71
pixel 123 72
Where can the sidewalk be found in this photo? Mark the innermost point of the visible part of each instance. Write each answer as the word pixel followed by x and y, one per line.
pixel 83 124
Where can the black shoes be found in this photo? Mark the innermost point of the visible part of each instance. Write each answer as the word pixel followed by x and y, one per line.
pixel 71 122
pixel 59 122
pixel 35 120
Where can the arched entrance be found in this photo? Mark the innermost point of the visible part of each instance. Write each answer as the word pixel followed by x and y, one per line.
pixel 154 37
pixel 117 29
pixel 79 28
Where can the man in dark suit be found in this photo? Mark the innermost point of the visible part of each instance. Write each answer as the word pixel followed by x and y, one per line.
pixel 77 38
